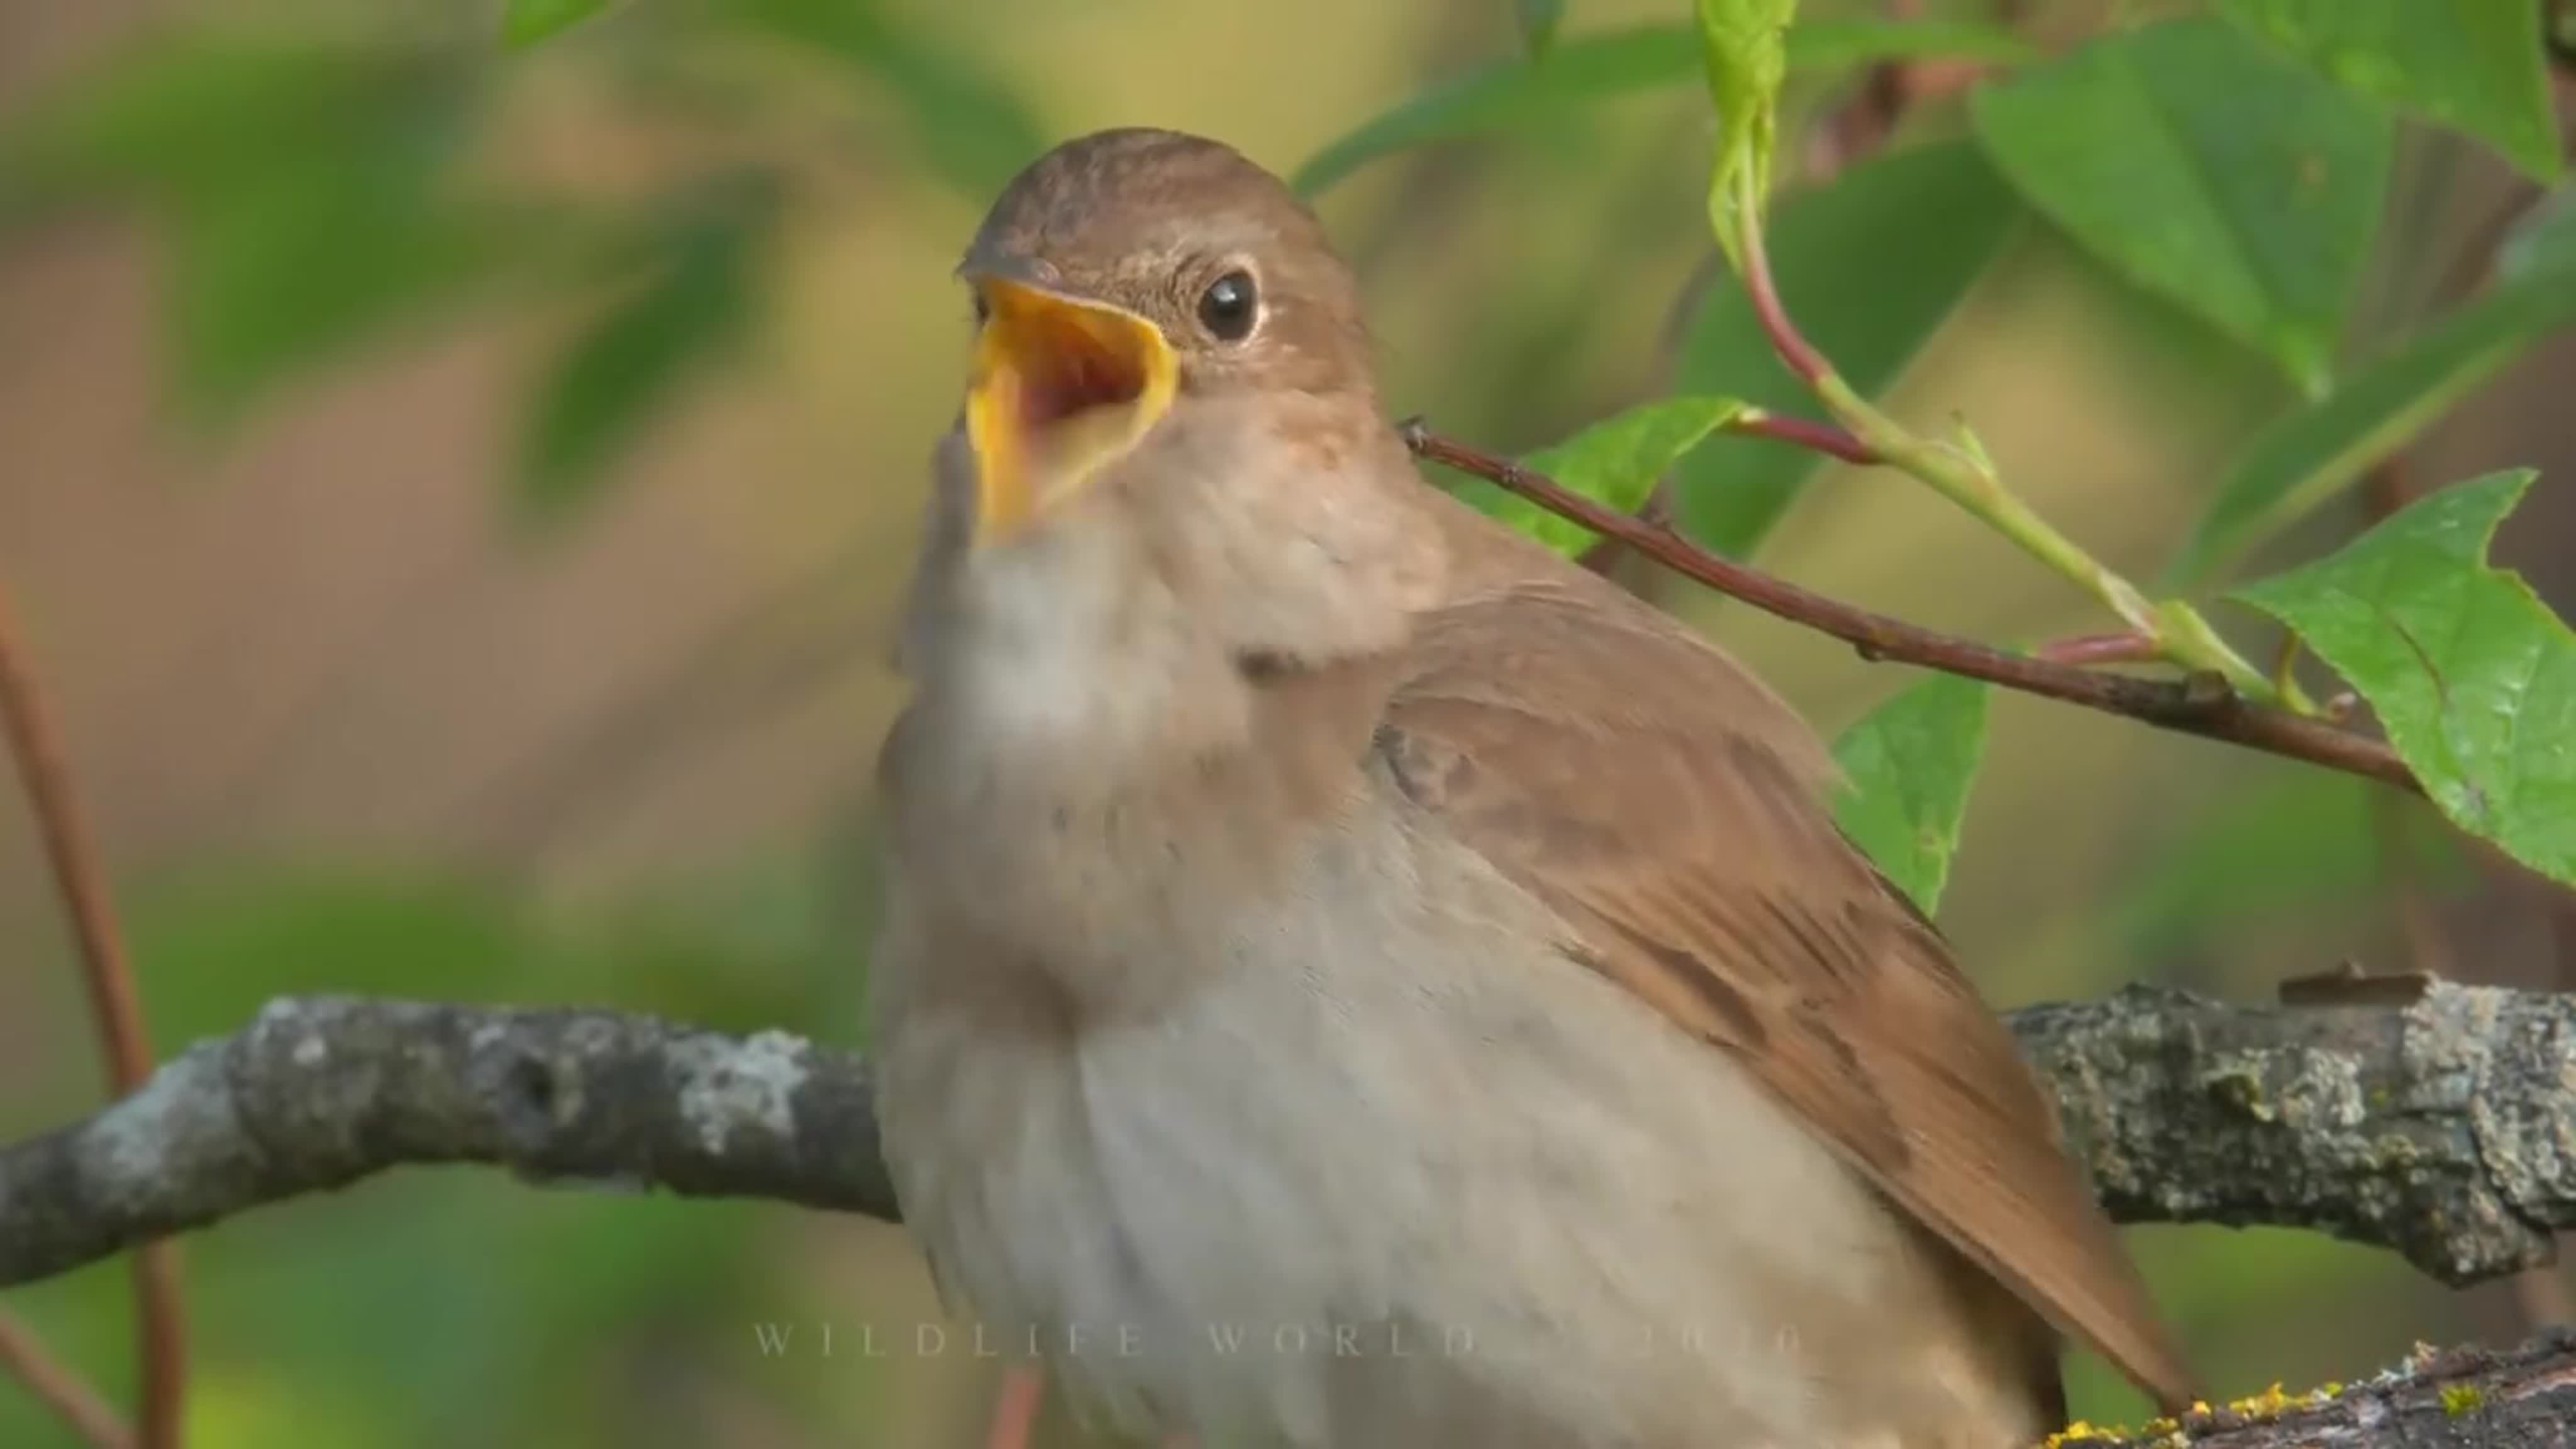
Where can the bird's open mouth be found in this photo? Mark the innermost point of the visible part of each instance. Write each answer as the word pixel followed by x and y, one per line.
pixel 1062 386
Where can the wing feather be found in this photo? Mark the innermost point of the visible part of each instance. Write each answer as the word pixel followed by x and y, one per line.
pixel 1668 808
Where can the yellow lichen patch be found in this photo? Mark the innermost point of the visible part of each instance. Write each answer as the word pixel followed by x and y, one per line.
pixel 2265 1405
pixel 2458 1399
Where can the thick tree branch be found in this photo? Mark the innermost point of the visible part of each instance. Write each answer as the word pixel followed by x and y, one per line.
pixel 2442 1125
pixel 319 1092
pixel 2424 1116
pixel 2524 1398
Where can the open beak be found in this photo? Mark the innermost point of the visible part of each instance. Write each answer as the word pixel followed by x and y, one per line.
pixel 1061 387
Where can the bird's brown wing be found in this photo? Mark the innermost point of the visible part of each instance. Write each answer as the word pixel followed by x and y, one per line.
pixel 1668 808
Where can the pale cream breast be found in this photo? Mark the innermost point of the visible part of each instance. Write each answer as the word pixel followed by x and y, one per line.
pixel 1396 1166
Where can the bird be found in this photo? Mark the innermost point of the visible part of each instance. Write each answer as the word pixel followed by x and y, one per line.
pixel 1350 976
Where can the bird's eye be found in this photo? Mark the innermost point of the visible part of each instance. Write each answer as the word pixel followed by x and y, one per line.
pixel 1229 307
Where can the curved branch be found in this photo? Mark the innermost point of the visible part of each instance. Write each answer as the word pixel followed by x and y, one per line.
pixel 2443 1126
pixel 2204 707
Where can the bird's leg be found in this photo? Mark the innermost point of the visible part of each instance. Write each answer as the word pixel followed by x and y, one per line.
pixel 1015 1408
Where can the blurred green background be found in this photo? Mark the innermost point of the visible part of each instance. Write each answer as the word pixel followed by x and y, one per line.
pixel 459 495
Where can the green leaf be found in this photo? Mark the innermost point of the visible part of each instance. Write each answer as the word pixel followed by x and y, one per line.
pixel 2208 169
pixel 694 301
pixel 1867 305
pixel 1744 47
pixel 1538 20
pixel 1614 462
pixel 525 22
pixel 973 129
pixel 284 271
pixel 1835 45
pixel 1907 766
pixel 2470 674
pixel 302 189
pixel 2304 459
pixel 2473 65
pixel 1542 90
pixel 2544 240
pixel 205 110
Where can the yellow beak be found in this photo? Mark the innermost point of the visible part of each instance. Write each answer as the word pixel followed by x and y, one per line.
pixel 1061 387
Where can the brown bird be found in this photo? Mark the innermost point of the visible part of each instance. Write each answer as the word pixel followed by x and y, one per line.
pixel 1350 977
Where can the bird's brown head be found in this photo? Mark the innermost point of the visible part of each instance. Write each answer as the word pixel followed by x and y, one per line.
pixel 1128 274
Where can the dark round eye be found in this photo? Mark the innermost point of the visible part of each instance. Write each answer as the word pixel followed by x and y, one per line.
pixel 1228 308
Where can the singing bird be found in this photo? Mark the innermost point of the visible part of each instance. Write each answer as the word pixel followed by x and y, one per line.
pixel 1351 977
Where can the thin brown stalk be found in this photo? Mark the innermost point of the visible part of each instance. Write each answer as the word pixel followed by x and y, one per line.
pixel 2199 705
pixel 60 1389
pixel 36 744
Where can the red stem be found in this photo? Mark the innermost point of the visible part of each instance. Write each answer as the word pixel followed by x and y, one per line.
pixel 37 746
pixel 1816 437
pixel 1795 351
pixel 58 1388
pixel 2121 648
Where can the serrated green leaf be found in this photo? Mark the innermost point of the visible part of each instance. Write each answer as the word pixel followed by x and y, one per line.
pixel 2307 458
pixel 1744 49
pixel 1585 70
pixel 2472 65
pixel 1865 304
pixel 1538 20
pixel 2470 674
pixel 972 127
pixel 525 22
pixel 694 302
pixel 1907 766
pixel 1614 462
pixel 2229 179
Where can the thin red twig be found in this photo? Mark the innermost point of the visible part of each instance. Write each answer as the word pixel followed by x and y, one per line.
pixel 58 1388
pixel 2201 705
pixel 1815 437
pixel 2121 648
pixel 37 747
pixel 1015 1407
pixel 1798 354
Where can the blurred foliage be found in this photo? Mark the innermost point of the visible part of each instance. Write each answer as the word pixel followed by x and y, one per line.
pixel 319 189
pixel 2208 169
pixel 2473 64
pixel 1531 93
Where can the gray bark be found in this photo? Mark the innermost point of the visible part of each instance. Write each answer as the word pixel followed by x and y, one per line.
pixel 2468 1398
pixel 2434 1119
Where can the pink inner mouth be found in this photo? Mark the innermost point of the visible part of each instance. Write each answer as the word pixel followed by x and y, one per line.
pixel 1074 373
